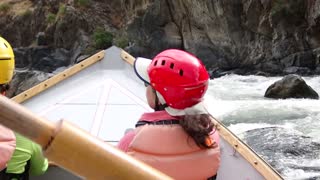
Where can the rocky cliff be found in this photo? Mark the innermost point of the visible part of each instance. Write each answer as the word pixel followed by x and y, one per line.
pixel 266 37
pixel 244 36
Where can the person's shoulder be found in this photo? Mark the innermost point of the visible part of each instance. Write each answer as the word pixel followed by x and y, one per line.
pixel 25 143
pixel 21 138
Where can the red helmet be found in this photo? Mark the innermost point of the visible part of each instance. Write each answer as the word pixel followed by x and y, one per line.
pixel 178 76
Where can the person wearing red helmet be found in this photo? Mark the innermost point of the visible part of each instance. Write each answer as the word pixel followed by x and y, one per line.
pixel 179 138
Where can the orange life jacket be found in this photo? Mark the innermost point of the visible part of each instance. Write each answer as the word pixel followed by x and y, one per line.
pixel 169 149
pixel 7 146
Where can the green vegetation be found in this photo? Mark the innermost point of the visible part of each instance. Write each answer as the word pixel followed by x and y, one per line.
pixel 27 12
pixel 278 6
pixel 5 7
pixel 289 8
pixel 121 41
pixel 82 3
pixel 102 39
pixel 62 10
pixel 51 18
pixel 89 50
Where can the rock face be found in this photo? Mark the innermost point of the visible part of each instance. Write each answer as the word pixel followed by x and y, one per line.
pixel 36 64
pixel 245 37
pixel 23 80
pixel 291 86
pixel 41 58
pixel 48 34
pixel 265 37
pixel 275 37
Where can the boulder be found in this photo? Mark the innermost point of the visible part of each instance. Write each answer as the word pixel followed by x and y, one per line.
pixel 280 147
pixel 290 86
pixel 25 79
pixel 41 58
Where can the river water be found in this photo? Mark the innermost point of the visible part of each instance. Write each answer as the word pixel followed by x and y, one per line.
pixel 286 133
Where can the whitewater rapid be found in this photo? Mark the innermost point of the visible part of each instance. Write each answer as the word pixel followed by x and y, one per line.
pixel 291 126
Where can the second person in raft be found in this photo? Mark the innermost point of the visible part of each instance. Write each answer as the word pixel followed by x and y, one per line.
pixel 179 138
pixel 19 156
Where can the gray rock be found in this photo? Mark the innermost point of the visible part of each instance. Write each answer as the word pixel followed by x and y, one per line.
pixel 23 80
pixel 41 39
pixel 280 147
pixel 265 36
pixel 41 58
pixel 290 86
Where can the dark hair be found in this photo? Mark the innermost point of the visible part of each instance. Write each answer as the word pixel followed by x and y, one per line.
pixel 4 88
pixel 198 127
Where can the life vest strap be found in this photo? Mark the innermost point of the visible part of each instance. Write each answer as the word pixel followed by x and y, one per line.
pixel 162 122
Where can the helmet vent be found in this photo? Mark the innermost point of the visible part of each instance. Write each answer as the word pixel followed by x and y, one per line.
pixel 171 65
pixel 155 63
pixel 5 45
pixel 181 72
pixel 163 62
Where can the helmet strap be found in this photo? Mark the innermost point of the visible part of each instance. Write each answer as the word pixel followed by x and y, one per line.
pixel 158 105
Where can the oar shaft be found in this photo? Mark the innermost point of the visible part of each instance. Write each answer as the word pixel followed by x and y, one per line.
pixel 23 121
pixel 88 156
pixel 73 148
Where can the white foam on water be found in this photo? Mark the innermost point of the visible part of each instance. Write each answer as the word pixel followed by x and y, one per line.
pixel 239 102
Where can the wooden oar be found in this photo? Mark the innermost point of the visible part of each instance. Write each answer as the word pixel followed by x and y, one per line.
pixel 72 148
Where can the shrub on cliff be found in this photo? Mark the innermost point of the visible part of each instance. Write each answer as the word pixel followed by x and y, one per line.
pixel 102 39
pixel 82 3
pixel 51 18
pixel 5 7
pixel 121 41
pixel 62 10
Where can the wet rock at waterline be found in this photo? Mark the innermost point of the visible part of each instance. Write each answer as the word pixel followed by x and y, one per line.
pixel 281 147
pixel 41 58
pixel 36 64
pixel 291 86
pixel 25 79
